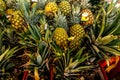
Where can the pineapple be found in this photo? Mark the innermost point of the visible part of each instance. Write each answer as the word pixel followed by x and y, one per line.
pixel 2 5
pixel 65 7
pixel 60 37
pixel 87 17
pixel 77 32
pixel 51 8
pixel 16 20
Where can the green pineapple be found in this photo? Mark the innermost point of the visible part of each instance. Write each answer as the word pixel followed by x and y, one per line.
pixel 65 7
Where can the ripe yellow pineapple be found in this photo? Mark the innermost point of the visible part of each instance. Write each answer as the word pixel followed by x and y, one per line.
pixel 2 5
pixel 60 37
pixel 65 7
pixel 16 20
pixel 87 17
pixel 51 8
pixel 76 31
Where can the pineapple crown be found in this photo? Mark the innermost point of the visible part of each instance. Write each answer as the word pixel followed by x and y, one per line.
pixel 42 3
pixel 74 18
pixel 31 15
pixel 60 20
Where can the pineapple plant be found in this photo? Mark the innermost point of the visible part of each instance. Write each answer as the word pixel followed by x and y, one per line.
pixel 65 7
pixel 37 48
pixel 101 36
pixel 51 9
pixel 60 35
pixel 69 64
pixel 77 31
pixel 6 53
pixel 87 17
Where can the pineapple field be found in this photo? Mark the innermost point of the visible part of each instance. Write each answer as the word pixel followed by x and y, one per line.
pixel 59 40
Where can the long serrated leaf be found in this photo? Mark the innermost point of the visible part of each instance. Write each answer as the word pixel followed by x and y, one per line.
pixel 9 54
pixel 79 53
pixel 32 33
pixel 64 59
pixel 47 34
pixel 68 57
pixel 35 28
pixel 111 50
pixel 117 31
pixel 103 25
pixel 72 64
pixel 110 7
pixel 113 26
pixel 114 42
pixel 61 67
pixel 84 67
pixel 83 58
pixel 45 53
pixel 3 54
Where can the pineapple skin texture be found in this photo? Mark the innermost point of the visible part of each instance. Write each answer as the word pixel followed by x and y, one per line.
pixel 60 37
pixel 78 32
pixel 65 7
pixel 51 8
pixel 90 16
pixel 17 20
